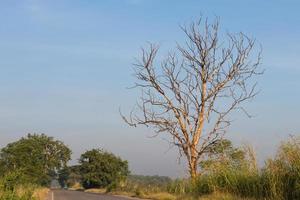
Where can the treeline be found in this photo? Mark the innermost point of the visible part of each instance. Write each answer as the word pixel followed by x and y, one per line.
pixel 228 172
pixel 36 160
pixel 30 163
pixel 97 169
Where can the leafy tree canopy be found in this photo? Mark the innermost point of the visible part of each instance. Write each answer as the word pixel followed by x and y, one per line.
pixel 37 156
pixel 100 168
pixel 223 154
pixel 69 176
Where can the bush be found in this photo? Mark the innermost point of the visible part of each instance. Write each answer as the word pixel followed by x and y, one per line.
pixel 101 169
pixel 11 180
pixel 25 193
pixel 279 179
pixel 282 174
pixel 14 186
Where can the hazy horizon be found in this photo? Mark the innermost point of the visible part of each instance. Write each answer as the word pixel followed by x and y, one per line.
pixel 66 65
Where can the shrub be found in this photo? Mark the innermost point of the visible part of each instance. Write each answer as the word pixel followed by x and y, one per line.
pixel 101 169
pixel 13 186
pixel 282 174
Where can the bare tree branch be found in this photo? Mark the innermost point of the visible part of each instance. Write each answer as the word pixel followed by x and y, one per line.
pixel 192 92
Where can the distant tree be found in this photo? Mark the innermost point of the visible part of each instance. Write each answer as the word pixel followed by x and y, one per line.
pixel 75 176
pixel 224 154
pixel 159 181
pixel 191 93
pixel 37 157
pixel 69 176
pixel 63 176
pixel 100 168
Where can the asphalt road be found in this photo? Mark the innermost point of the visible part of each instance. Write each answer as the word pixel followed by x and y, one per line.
pixel 75 195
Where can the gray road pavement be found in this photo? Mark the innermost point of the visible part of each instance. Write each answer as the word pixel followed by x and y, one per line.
pixel 75 195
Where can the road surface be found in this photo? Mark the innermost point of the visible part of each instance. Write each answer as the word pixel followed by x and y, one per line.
pixel 75 195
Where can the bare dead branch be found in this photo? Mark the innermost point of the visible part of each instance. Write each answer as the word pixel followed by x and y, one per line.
pixel 192 92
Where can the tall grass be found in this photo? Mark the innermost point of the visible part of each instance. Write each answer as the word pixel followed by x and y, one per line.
pixel 12 187
pixel 20 193
pixel 282 174
pixel 279 179
pixel 142 186
pixel 229 178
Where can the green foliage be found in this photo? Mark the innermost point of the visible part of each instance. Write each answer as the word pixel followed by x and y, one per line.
pixel 63 176
pixel 221 154
pixel 282 174
pixel 226 170
pixel 149 180
pixel 12 187
pixel 11 195
pixel 69 176
pixel 278 180
pixel 12 179
pixel 101 169
pixel 229 173
pixel 74 175
pixel 37 157
pixel 140 185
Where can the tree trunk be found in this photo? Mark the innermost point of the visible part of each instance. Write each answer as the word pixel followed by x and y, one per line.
pixel 193 171
pixel 193 163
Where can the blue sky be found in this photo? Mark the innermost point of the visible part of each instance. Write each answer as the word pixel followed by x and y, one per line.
pixel 65 66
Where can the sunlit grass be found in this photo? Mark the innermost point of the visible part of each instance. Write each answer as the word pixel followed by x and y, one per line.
pixel 279 179
pixel 24 193
pixel 40 193
pixel 96 190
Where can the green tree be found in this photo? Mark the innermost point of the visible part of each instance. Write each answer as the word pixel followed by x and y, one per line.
pixel 74 175
pixel 69 176
pixel 101 169
pixel 63 176
pixel 223 153
pixel 36 156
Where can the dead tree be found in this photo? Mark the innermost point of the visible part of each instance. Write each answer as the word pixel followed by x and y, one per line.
pixel 190 94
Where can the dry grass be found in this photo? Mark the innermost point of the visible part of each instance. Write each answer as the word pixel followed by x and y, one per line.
pixel 25 193
pixel 160 196
pixel 154 196
pixel 213 196
pixel 41 193
pixel 168 196
pixel 76 186
pixel 123 193
pixel 96 190
pixel 222 196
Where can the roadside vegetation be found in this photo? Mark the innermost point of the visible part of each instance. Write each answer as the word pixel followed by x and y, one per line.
pixel 232 173
pixel 28 165
pixel 97 169
pixel 189 96
pixel 227 173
